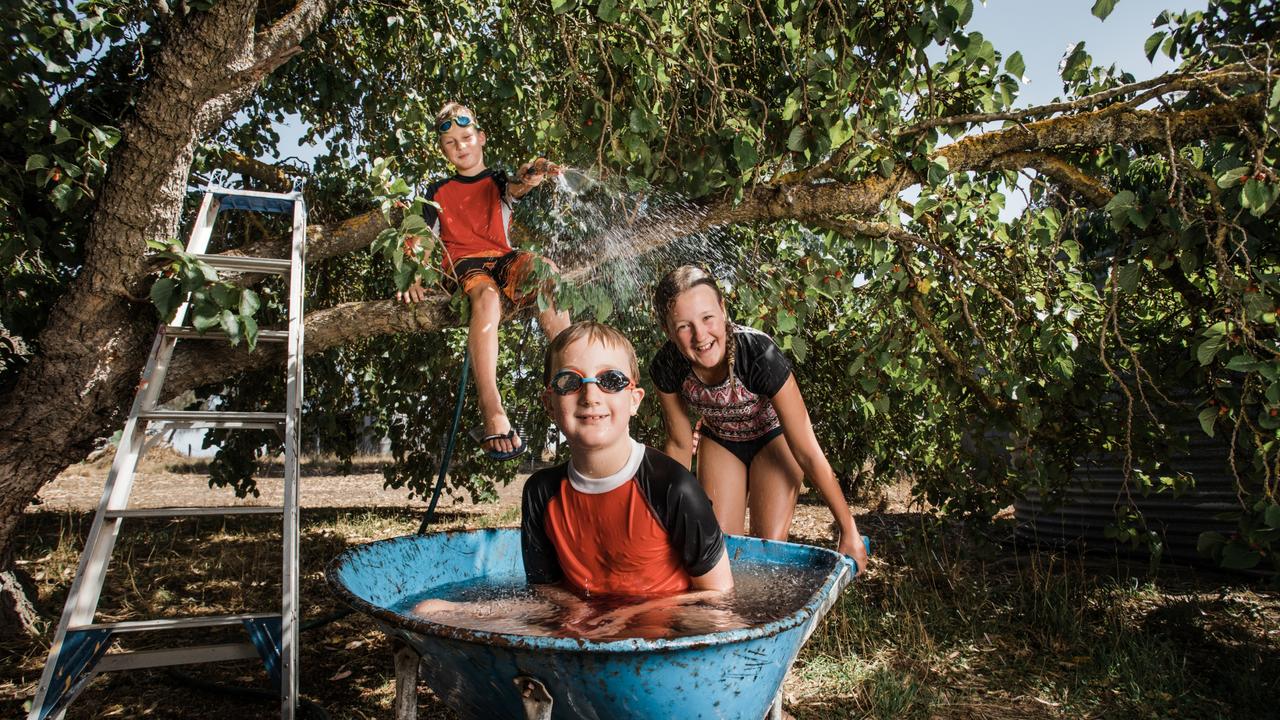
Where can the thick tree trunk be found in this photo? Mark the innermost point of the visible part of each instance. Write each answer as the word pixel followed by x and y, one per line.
pixel 97 338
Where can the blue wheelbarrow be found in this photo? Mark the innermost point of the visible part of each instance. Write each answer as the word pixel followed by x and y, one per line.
pixel 734 674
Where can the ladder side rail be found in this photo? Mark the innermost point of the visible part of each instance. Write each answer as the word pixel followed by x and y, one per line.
pixel 293 416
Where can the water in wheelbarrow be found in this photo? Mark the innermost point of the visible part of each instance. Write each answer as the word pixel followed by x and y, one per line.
pixel 763 593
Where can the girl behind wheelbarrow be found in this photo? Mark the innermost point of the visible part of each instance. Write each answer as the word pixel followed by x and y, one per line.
pixel 757 443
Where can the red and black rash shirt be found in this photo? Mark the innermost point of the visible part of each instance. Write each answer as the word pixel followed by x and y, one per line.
pixel 739 411
pixel 645 530
pixel 474 214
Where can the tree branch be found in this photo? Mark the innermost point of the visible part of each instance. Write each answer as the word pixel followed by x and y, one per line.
pixel 276 178
pixel 1054 167
pixel 1163 85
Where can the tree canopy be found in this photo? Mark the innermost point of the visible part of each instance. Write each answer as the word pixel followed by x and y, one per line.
pixel 849 165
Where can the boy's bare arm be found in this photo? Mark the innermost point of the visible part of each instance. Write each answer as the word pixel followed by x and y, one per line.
pixel 717 579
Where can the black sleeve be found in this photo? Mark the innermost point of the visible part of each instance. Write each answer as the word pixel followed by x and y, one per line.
pixel 668 368
pixel 684 510
pixel 759 363
pixel 541 565
pixel 503 181
pixel 429 211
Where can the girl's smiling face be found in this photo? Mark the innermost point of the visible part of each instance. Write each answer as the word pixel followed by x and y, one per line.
pixel 697 324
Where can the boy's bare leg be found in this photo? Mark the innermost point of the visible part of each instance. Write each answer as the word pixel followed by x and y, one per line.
pixel 482 340
pixel 553 322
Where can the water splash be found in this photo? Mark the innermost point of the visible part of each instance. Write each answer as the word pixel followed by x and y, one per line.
pixel 620 235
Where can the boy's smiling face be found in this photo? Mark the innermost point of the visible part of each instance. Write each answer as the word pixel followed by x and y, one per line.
pixel 591 419
pixel 463 147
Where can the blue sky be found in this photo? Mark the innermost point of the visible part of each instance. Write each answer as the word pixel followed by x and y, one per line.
pixel 1042 30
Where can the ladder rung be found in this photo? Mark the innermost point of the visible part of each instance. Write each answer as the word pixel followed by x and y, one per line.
pixel 234 199
pixel 176 656
pixel 190 332
pixel 162 512
pixel 174 623
pixel 243 263
pixel 214 418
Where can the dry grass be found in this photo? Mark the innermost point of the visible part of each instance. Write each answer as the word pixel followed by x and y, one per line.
pixel 949 623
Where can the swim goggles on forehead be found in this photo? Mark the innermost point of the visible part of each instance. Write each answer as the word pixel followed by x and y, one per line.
pixel 567 382
pixel 459 120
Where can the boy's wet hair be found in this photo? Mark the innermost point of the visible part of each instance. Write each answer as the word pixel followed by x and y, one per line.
pixel 592 331
pixel 451 110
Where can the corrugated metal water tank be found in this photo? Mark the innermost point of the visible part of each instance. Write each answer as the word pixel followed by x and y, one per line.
pixel 1098 491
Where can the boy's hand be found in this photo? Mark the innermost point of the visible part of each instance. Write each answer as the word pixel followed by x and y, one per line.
pixel 415 293
pixel 533 173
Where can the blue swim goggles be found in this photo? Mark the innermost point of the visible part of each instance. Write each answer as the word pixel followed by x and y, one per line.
pixel 567 382
pixel 459 120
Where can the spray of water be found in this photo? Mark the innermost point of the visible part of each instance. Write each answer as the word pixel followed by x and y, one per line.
pixel 620 235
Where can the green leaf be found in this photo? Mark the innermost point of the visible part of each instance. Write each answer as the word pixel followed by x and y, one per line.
pixel 1122 200
pixel 938 171
pixel 1103 8
pixel 206 317
pixel 164 295
pixel 1016 66
pixel 1129 276
pixel 1231 177
pixel 744 153
pixel 1207 417
pixel 1152 45
pixel 604 309
pixel 250 327
pixel 1208 349
pixel 404 276
pixel 1208 542
pixel 798 138
pixel 249 302
pixel 1242 363
pixel 786 321
pixel 413 224
pixel 225 295
pixel 230 325
pixel 1238 556
pixel 1257 197
pixel 37 162
pixel 1272 516
pixel 608 11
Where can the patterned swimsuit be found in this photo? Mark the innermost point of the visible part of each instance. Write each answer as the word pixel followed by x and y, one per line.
pixel 737 414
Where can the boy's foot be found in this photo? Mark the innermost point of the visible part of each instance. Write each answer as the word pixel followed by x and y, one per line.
pixel 493 442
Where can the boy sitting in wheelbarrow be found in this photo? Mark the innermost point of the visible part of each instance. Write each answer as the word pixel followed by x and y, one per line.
pixel 618 518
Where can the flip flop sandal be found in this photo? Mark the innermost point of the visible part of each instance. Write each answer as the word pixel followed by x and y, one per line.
pixel 477 434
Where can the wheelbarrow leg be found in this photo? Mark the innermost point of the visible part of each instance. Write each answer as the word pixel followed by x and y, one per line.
pixel 406 703
pixel 536 699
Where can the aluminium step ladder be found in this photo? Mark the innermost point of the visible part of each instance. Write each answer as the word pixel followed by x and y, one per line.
pixel 80 647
